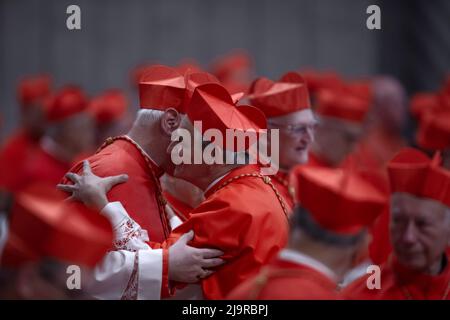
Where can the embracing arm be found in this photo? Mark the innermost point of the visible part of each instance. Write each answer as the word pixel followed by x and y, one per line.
pixel 180 262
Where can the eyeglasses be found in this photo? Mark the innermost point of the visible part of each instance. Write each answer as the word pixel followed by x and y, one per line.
pixel 296 129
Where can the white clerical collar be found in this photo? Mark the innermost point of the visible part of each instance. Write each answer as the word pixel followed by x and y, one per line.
pixel 300 258
pixel 3 231
pixel 212 184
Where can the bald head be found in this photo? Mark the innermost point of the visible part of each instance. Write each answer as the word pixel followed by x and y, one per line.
pixel 389 103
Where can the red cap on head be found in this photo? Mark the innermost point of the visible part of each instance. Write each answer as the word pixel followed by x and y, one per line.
pixel 339 200
pixel 195 79
pixel 287 95
pixel 65 103
pixel 43 225
pixel 161 87
pixel 412 171
pixel 422 103
pixel 238 61
pixel 214 107
pixel 342 105
pixel 137 73
pixel 109 106
pixel 434 130
pixel 32 90
pixel 360 88
pixel 321 80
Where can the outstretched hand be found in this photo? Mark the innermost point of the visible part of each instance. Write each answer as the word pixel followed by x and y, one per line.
pixel 89 188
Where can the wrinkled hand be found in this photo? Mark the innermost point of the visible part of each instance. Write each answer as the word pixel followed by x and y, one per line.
pixel 189 264
pixel 89 188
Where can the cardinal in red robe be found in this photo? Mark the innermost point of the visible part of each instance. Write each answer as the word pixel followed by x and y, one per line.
pixel 433 134
pixel 21 146
pixel 418 267
pixel 70 132
pixel 243 215
pixel 287 106
pixel 342 113
pixel 109 109
pixel 234 70
pixel 324 238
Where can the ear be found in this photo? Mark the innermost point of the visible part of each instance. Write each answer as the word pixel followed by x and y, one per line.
pixel 170 121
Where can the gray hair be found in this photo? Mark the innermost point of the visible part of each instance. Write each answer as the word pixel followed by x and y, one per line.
pixel 146 117
pixel 303 220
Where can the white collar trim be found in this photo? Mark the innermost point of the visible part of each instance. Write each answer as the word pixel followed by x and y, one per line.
pixel 300 258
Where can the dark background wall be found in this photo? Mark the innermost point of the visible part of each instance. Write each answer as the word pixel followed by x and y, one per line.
pixel 281 35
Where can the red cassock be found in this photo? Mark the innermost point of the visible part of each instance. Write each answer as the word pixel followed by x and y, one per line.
pixel 141 195
pixel 14 157
pixel 400 283
pixel 45 168
pixel 286 280
pixel 315 161
pixel 181 209
pixel 243 217
pixel 281 182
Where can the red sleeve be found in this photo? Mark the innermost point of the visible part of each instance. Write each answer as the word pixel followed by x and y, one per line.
pixel 217 225
pixel 165 287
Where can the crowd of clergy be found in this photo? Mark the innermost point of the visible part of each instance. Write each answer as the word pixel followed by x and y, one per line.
pixel 93 205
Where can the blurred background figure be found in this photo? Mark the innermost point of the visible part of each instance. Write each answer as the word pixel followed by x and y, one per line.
pixel 234 70
pixel 109 110
pixel 385 127
pixel 432 112
pixel 30 95
pixel 21 145
pixel 325 237
pixel 50 240
pixel 70 132
pixel 342 116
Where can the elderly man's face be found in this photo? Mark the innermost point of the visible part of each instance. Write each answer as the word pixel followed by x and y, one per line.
pixel 296 135
pixel 188 170
pixel 419 231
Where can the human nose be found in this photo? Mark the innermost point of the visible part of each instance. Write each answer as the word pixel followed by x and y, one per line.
pixel 409 235
pixel 310 134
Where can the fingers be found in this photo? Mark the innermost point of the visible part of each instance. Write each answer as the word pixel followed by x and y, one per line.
pixel 110 182
pixel 121 178
pixel 204 274
pixel 211 263
pixel 210 253
pixel 73 177
pixel 66 187
pixel 188 236
pixel 86 167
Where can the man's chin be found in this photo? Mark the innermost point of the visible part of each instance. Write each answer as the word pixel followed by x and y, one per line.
pixel 301 157
pixel 412 262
